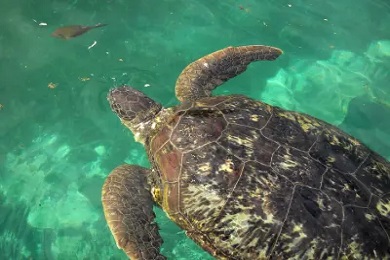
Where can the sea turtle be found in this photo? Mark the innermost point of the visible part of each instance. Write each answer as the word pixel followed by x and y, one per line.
pixel 245 179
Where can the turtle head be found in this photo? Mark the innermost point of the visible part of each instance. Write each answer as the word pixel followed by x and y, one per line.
pixel 136 110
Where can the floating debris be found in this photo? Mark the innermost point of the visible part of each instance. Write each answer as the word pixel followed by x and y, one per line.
pixel 247 10
pixel 41 23
pixel 84 79
pixel 93 44
pixel 52 85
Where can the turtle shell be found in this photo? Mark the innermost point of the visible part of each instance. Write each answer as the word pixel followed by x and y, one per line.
pixel 249 181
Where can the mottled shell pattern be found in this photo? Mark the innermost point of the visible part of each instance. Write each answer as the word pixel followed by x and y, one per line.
pixel 252 181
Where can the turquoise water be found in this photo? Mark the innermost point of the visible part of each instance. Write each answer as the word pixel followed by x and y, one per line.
pixel 58 144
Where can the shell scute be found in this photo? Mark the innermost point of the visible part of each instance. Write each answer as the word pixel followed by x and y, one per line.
pixel 339 151
pixel 246 112
pixel 172 202
pixel 364 232
pixel 197 127
pixel 375 171
pixel 293 129
pixel 345 189
pixel 248 144
pixel 312 218
pixel 203 195
pixel 298 167
pixel 251 215
pixel 169 161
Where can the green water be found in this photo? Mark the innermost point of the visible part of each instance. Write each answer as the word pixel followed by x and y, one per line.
pixel 57 145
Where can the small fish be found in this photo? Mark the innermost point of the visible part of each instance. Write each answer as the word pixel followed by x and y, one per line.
pixel 71 31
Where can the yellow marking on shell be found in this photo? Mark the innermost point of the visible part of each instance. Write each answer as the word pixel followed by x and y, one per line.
pixel 346 187
pixel 331 159
pixel 377 167
pixel 380 167
pixel 305 122
pixel 354 141
pixel 369 217
pixel 287 115
pixel 253 243
pixel 268 108
pixel 285 236
pixel 241 141
pixel 297 228
pixel 297 239
pixel 206 167
pixel 240 225
pixel 311 252
pixel 193 198
pixel 266 182
pixel 287 163
pixel 254 118
pixel 334 140
pixel 383 207
pixel 240 221
pixel 333 136
pixel 320 203
pixel 228 166
pixel 355 250
pixel 269 218
pixel 263 254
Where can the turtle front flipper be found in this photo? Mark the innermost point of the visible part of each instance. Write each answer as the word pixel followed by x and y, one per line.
pixel 128 209
pixel 199 78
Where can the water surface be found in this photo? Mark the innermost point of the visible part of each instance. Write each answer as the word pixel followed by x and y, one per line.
pixel 59 139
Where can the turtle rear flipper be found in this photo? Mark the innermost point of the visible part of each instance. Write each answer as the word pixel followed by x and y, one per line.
pixel 199 78
pixel 128 209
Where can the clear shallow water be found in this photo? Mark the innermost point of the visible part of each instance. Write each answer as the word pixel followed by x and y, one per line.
pixel 57 145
